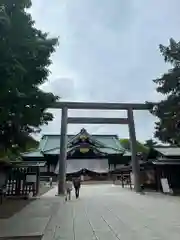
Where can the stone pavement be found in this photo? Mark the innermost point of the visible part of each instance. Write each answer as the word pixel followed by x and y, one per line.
pixel 110 212
pixel 102 212
pixel 31 220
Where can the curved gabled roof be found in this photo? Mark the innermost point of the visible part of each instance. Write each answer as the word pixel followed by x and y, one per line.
pixel 50 144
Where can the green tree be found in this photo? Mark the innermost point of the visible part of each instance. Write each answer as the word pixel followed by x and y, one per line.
pixel 139 146
pixel 167 128
pixel 25 57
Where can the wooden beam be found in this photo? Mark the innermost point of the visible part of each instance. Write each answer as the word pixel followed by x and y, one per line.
pixel 98 105
pixel 89 120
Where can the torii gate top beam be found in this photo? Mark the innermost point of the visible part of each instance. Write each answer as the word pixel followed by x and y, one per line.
pixel 100 105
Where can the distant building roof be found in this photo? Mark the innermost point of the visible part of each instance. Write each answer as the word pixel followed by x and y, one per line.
pixel 36 153
pixel 107 150
pixel 127 154
pixel 53 141
pixel 50 144
pixel 166 162
pixel 31 164
pixel 168 151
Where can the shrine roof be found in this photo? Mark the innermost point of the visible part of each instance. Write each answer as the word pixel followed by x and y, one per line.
pixel 50 144
pixel 168 161
pixel 56 151
pixel 31 164
pixel 53 141
pixel 37 153
pixel 168 151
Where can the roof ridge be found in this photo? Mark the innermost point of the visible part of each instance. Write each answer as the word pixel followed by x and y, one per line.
pixel 58 135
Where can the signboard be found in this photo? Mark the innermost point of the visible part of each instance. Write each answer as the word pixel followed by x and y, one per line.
pixel 165 185
pixel 31 178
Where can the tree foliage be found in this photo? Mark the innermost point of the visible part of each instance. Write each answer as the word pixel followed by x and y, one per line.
pixel 25 57
pixel 139 146
pixel 167 127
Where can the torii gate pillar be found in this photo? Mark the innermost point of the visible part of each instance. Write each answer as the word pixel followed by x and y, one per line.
pixel 134 160
pixel 63 152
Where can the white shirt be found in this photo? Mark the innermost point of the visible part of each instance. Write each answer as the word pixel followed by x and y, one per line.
pixel 69 185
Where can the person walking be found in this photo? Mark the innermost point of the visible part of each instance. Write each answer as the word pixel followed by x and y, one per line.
pixel 69 187
pixel 114 179
pixel 50 182
pixel 77 186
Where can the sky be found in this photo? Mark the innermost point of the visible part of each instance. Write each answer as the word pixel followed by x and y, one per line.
pixel 108 52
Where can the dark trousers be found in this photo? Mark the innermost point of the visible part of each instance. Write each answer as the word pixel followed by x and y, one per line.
pixel 77 192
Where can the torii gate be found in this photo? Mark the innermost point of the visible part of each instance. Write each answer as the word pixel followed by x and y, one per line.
pixel 65 120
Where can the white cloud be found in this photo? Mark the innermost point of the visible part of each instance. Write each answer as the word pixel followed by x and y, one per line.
pixel 108 52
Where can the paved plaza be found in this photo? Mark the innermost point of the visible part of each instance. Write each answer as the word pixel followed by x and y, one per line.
pixel 102 212
pixel 110 212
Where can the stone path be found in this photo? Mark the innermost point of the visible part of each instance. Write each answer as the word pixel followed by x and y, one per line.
pixel 103 212
pixel 110 212
pixel 32 220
